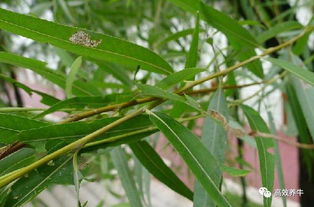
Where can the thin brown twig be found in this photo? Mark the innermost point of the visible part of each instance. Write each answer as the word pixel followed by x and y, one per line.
pixel 113 107
pixel 6 179
pixel 271 136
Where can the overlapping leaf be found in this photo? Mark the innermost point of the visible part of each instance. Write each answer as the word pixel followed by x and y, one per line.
pixel 266 159
pixel 156 166
pixel 120 161
pixel 198 158
pixel 108 48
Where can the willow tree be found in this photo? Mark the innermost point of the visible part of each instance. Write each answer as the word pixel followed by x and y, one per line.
pixel 132 69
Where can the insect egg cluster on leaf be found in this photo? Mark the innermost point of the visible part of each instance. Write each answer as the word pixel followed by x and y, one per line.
pixel 82 38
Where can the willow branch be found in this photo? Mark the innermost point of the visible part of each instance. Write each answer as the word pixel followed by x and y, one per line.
pixel 78 144
pixel 293 143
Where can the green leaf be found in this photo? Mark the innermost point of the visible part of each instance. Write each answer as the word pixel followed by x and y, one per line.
pixel 278 159
pixel 235 172
pixel 301 44
pixel 243 42
pixel 46 98
pixel 175 36
pixel 120 162
pixel 305 96
pixel 214 138
pixel 71 76
pixel 80 88
pixel 12 124
pixel 177 77
pixel 118 72
pixel 86 102
pixel 300 72
pixel 148 90
pixel 192 56
pixel 16 160
pixel 94 45
pixel 156 166
pixel 266 159
pixel 57 172
pixel 279 28
pixel 70 132
pixel 65 8
pixel 198 158
pixel 300 121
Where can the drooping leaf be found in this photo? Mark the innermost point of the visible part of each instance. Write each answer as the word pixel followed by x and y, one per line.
pixel 214 138
pixel 301 44
pixel 120 162
pixel 117 71
pixel 239 37
pixel 279 28
pixel 80 88
pixel 304 135
pixel 300 72
pixel 12 124
pixel 57 172
pixel 83 42
pixel 305 95
pixel 148 90
pixel 70 132
pixel 85 102
pixel 155 165
pixel 192 55
pixel 177 77
pixel 175 36
pixel 278 159
pixel 266 159
pixel 16 160
pixel 46 98
pixel 235 172
pixel 71 76
pixel 198 158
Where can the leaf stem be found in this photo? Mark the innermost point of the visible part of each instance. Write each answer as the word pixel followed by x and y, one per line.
pixel 190 85
pixel 6 179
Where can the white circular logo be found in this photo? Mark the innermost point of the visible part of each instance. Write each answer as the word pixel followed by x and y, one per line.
pixel 264 192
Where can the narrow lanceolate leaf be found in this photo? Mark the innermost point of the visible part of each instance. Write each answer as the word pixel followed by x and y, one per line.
pixel 175 36
pixel 235 172
pixel 154 91
pixel 300 72
pixel 201 162
pixel 156 166
pixel 305 96
pixel 120 162
pixel 79 88
pixel 266 159
pixel 118 72
pixel 46 98
pixel 83 42
pixel 71 76
pixel 278 159
pixel 70 132
pixel 242 40
pixel 279 28
pixel 16 160
pixel 179 76
pixel 57 172
pixel 86 102
pixel 214 138
pixel 12 124
pixel 192 56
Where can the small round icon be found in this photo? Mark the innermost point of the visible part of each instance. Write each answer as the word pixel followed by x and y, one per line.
pixel 264 192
